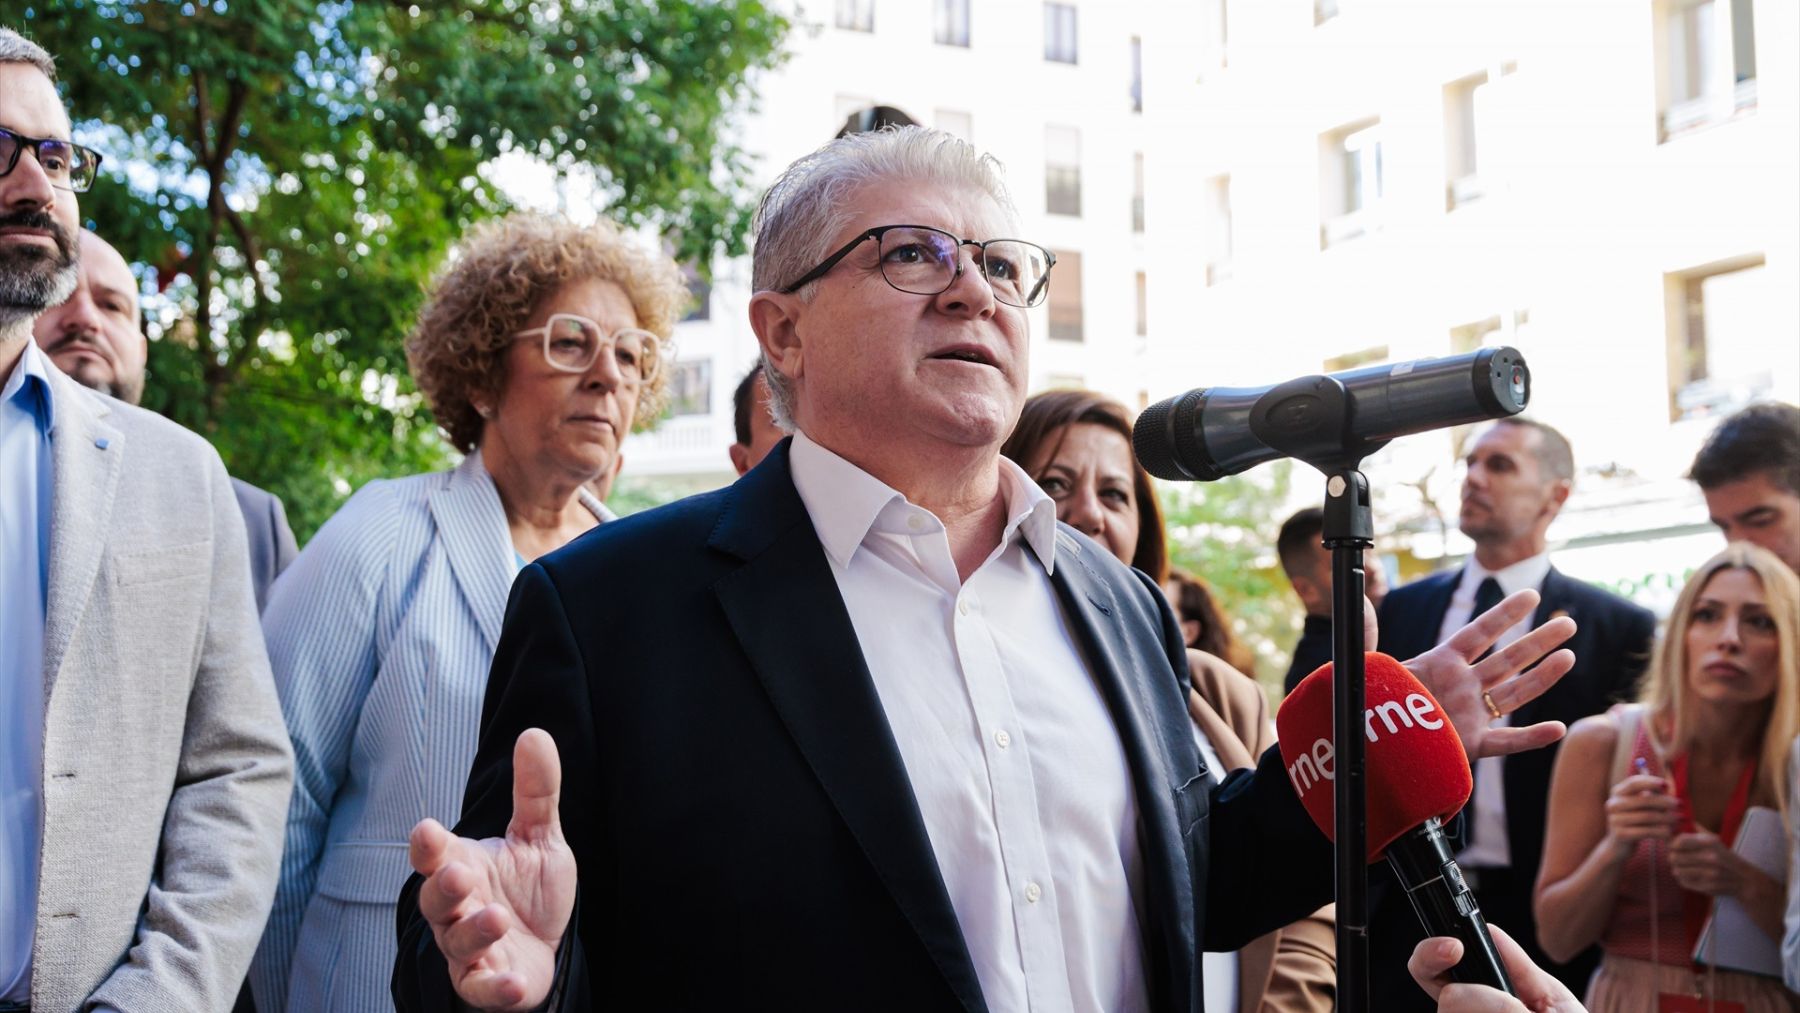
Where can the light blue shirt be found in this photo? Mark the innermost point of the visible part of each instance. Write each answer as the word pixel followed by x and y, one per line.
pixel 27 417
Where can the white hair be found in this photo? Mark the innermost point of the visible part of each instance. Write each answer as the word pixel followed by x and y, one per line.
pixel 16 48
pixel 798 218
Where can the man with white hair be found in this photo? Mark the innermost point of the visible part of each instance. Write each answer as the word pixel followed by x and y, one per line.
pixel 869 729
pixel 144 767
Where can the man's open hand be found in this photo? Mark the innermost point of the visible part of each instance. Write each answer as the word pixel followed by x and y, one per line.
pixel 499 908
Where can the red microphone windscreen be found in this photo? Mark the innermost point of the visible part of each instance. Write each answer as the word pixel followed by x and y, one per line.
pixel 1415 761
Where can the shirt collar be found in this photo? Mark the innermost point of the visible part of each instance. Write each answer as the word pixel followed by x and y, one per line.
pixel 1526 573
pixel 846 503
pixel 29 386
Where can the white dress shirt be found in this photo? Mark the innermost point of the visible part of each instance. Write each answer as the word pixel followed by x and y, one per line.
pixel 1018 770
pixel 27 417
pixel 1488 808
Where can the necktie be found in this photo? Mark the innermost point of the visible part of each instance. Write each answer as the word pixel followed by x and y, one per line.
pixel 1487 595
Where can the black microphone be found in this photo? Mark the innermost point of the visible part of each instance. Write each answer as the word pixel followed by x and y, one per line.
pixel 1427 871
pixel 1209 433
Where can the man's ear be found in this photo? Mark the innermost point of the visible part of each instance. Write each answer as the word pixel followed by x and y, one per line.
pixel 775 317
pixel 740 458
pixel 1559 494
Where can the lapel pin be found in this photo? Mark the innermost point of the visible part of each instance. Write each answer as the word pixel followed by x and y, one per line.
pixel 101 442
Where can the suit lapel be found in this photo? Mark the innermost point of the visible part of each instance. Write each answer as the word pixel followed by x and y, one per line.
pixel 817 681
pixel 467 513
pixel 1121 670
pixel 85 450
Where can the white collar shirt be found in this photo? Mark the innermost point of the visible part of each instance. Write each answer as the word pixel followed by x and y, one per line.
pixel 1489 847
pixel 1018 770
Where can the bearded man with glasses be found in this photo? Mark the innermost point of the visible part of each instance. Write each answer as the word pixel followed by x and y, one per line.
pixel 143 767
pixel 867 730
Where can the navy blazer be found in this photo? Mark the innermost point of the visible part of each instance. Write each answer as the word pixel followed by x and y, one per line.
pixel 745 830
pixel 1612 644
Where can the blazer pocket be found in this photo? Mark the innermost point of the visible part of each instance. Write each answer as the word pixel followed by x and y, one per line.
pixel 1192 801
pixel 173 562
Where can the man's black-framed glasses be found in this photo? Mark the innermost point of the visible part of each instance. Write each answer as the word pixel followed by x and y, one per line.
pixel 926 261
pixel 69 165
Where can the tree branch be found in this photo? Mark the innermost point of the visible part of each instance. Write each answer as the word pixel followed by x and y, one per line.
pixel 202 117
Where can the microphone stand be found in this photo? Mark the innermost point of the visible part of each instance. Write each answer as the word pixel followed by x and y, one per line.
pixel 1309 419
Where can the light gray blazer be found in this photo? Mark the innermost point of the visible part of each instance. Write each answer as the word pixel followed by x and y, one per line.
pixel 381 634
pixel 166 768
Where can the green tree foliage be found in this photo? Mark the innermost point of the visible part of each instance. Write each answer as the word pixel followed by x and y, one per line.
pixel 293 170
pixel 1224 532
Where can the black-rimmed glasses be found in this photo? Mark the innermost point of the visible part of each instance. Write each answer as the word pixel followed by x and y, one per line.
pixel 69 165
pixel 926 261
pixel 572 343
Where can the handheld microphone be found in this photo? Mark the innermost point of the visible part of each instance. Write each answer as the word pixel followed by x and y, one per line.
pixel 1209 433
pixel 1418 777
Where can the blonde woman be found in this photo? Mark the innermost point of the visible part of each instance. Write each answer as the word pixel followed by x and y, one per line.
pixel 539 348
pixel 1647 799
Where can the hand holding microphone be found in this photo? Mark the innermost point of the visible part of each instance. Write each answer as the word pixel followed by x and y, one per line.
pixel 1418 777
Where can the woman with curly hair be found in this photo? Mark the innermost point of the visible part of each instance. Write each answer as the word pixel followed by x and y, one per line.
pixel 539 347
pixel 1076 445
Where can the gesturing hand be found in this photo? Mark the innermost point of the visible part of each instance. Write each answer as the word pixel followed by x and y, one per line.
pixel 498 908
pixel 1454 675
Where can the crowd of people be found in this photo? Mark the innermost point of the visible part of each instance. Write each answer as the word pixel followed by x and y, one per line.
pixel 914 715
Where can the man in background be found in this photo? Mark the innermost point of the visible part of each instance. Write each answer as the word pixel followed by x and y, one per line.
pixel 1749 471
pixel 757 432
pixel 1520 473
pixel 144 767
pixel 1307 563
pixel 96 337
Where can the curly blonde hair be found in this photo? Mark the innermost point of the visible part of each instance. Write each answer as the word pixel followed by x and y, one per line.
pixel 491 285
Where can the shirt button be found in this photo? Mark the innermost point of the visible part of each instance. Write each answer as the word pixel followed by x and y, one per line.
pixel 1002 739
pixel 1033 892
pixel 915 522
pixel 962 608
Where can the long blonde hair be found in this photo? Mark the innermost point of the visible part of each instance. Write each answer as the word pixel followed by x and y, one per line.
pixel 1666 695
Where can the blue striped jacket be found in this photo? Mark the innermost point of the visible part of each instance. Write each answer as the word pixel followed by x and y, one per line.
pixel 380 636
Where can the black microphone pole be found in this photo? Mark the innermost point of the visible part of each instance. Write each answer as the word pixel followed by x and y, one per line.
pixel 1309 419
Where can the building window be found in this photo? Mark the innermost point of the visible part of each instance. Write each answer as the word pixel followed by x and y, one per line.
pixel 1706 51
pixel 849 105
pixel 1324 10
pixel 1215 33
pixel 1137 74
pixel 1137 192
pixel 1217 237
pixel 690 388
pixel 1065 297
pixel 1463 116
pixel 700 291
pixel 1143 304
pixel 954 123
pixel 856 15
pixel 1062 171
pixel 951 22
pixel 1059 33
pixel 1350 185
pixel 1717 337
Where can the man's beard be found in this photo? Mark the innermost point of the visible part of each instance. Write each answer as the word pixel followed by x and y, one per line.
pixel 33 279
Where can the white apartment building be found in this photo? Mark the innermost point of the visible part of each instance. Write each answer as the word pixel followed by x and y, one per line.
pixel 1242 191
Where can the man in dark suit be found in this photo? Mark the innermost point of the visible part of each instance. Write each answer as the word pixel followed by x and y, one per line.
pixel 868 729
pixel 95 337
pixel 1519 474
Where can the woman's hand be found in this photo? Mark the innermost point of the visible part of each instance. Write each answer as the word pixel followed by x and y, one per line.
pixel 1639 808
pixel 1539 991
pixel 1702 863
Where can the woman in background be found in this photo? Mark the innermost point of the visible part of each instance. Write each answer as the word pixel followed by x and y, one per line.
pixel 1077 446
pixel 540 346
pixel 1647 799
pixel 1203 625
